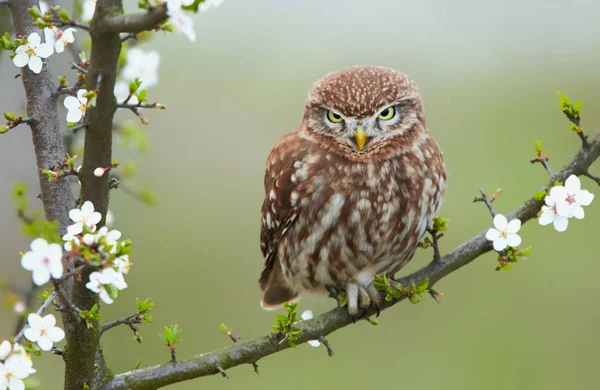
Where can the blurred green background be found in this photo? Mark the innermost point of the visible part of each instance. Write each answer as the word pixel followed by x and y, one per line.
pixel 488 73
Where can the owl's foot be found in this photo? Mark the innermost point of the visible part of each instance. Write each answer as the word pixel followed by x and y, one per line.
pixel 334 293
pixel 361 299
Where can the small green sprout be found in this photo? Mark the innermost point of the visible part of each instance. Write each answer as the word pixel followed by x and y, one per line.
pixel 284 324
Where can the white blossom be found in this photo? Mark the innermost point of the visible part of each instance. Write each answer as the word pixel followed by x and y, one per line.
pixel 110 238
pixel 63 38
pixel 550 212
pixel 122 92
pixel 180 19
pixel 76 106
pixel 86 216
pixel 208 4
pixel 504 233
pixel 142 64
pixel 99 172
pixel 44 260
pixel 32 52
pixel 564 202
pixel 307 315
pixel 14 369
pixel 43 331
pixel 108 277
pixel 19 307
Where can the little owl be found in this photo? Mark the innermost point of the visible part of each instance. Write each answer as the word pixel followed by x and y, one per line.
pixel 351 193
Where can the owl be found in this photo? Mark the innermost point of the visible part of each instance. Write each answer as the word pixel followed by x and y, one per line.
pixel 351 192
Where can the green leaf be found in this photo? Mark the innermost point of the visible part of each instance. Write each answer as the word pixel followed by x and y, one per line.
pixel 171 335
pixel 145 306
pixel 34 12
pixel 440 224
pixel 6 43
pixel 148 197
pixel 422 286
pixel 224 328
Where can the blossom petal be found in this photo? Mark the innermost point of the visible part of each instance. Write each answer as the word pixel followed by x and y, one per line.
pixel 577 211
pixel 513 226
pixel 15 383
pixel 584 197
pixel 563 208
pixel 492 234
pixel 34 39
pixel 500 222
pixel 21 59
pixel 31 260
pixel 500 244
pixel 105 297
pixel 5 349
pixel 72 103
pixel 88 207
pixel 32 334
pixel 94 218
pixel 572 184
pixel 45 343
pixel 546 218
pixel 59 46
pixel 558 193
pixel 74 214
pixel 35 64
pixel 38 245
pixel 561 223
pixel 74 116
pixel 56 334
pixel 83 100
pixel 314 343
pixel 75 229
pixel 44 50
pixel 49 321
pixel 41 276
pixel 513 240
pixel 35 321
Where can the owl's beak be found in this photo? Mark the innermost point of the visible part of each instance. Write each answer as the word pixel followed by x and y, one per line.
pixel 361 137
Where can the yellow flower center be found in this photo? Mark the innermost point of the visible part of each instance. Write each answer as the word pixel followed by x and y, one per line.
pixel 30 51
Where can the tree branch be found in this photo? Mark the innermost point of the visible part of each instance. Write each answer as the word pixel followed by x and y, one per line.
pixel 249 352
pixel 135 23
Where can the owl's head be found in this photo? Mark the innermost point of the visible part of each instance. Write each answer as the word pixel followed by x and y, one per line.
pixel 362 109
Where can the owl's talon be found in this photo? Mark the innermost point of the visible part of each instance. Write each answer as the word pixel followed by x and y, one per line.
pixel 334 293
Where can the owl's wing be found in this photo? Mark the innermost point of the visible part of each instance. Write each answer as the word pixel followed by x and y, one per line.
pixel 279 211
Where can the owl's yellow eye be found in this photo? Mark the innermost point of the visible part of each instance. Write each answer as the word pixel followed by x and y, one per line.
pixel 333 117
pixel 387 114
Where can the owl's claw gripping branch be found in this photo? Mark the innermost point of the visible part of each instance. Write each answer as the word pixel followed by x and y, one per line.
pixel 334 293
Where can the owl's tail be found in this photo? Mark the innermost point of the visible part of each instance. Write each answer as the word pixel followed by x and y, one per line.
pixel 275 288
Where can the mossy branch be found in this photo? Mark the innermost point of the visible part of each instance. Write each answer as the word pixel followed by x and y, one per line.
pixel 249 352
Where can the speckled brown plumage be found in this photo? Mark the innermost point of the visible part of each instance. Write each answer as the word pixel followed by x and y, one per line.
pixel 339 208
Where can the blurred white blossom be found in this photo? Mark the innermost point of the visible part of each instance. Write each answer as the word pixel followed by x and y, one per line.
pixel 88 7
pixel 44 260
pixel 122 92
pixel 106 279
pixel 143 64
pixel 208 4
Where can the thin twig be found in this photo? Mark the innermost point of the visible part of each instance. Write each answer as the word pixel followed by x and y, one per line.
pixel 140 105
pixel 594 178
pixel 235 338
pixel 39 311
pixel 79 68
pixel 323 340
pixel 78 127
pixel 483 198
pixel 130 319
pixel 544 161
pixel 435 236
